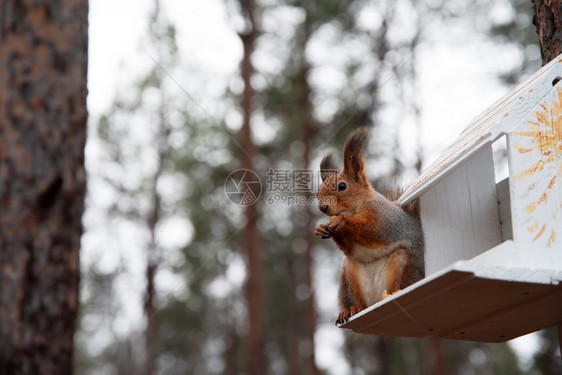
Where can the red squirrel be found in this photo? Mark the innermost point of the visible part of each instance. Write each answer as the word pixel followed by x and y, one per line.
pixel 382 242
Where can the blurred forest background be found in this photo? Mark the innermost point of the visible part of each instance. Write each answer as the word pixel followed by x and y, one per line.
pixel 176 279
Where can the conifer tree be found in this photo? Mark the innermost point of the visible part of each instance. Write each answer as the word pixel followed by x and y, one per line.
pixel 43 66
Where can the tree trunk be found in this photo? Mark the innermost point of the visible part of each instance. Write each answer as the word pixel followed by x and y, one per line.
pixel 255 278
pixel 43 65
pixel 548 21
pixel 310 316
pixel 154 251
pixel 149 366
pixel 436 361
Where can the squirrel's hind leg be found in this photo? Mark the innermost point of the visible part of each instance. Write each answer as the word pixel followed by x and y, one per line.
pixel 394 270
pixel 347 313
pixel 350 295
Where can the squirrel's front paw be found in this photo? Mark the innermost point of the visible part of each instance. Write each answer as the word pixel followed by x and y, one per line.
pixel 335 224
pixel 347 313
pixel 328 230
pixel 323 231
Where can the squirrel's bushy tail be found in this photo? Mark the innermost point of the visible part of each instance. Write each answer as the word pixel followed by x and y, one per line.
pixel 394 194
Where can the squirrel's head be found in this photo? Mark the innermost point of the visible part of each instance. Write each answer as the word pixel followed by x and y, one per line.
pixel 343 192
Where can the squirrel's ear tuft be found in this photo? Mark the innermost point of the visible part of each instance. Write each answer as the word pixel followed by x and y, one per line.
pixel 328 166
pixel 354 155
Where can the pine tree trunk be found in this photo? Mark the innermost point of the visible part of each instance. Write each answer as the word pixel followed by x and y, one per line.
pixel 436 362
pixel 548 21
pixel 43 65
pixel 149 313
pixel 310 316
pixel 154 252
pixel 255 277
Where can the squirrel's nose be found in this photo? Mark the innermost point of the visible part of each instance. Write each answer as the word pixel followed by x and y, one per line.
pixel 323 208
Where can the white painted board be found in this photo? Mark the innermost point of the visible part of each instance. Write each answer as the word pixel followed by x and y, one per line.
pixel 460 215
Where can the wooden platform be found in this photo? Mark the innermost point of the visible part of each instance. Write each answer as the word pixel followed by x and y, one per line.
pixel 497 296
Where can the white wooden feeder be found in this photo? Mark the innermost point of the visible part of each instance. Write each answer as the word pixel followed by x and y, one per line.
pixel 493 251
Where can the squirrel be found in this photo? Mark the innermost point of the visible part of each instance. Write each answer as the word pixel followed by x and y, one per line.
pixel 382 242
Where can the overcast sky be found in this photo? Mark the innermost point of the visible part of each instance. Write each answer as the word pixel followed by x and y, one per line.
pixel 457 69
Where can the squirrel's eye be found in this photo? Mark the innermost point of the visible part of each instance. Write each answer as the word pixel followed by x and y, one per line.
pixel 341 186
